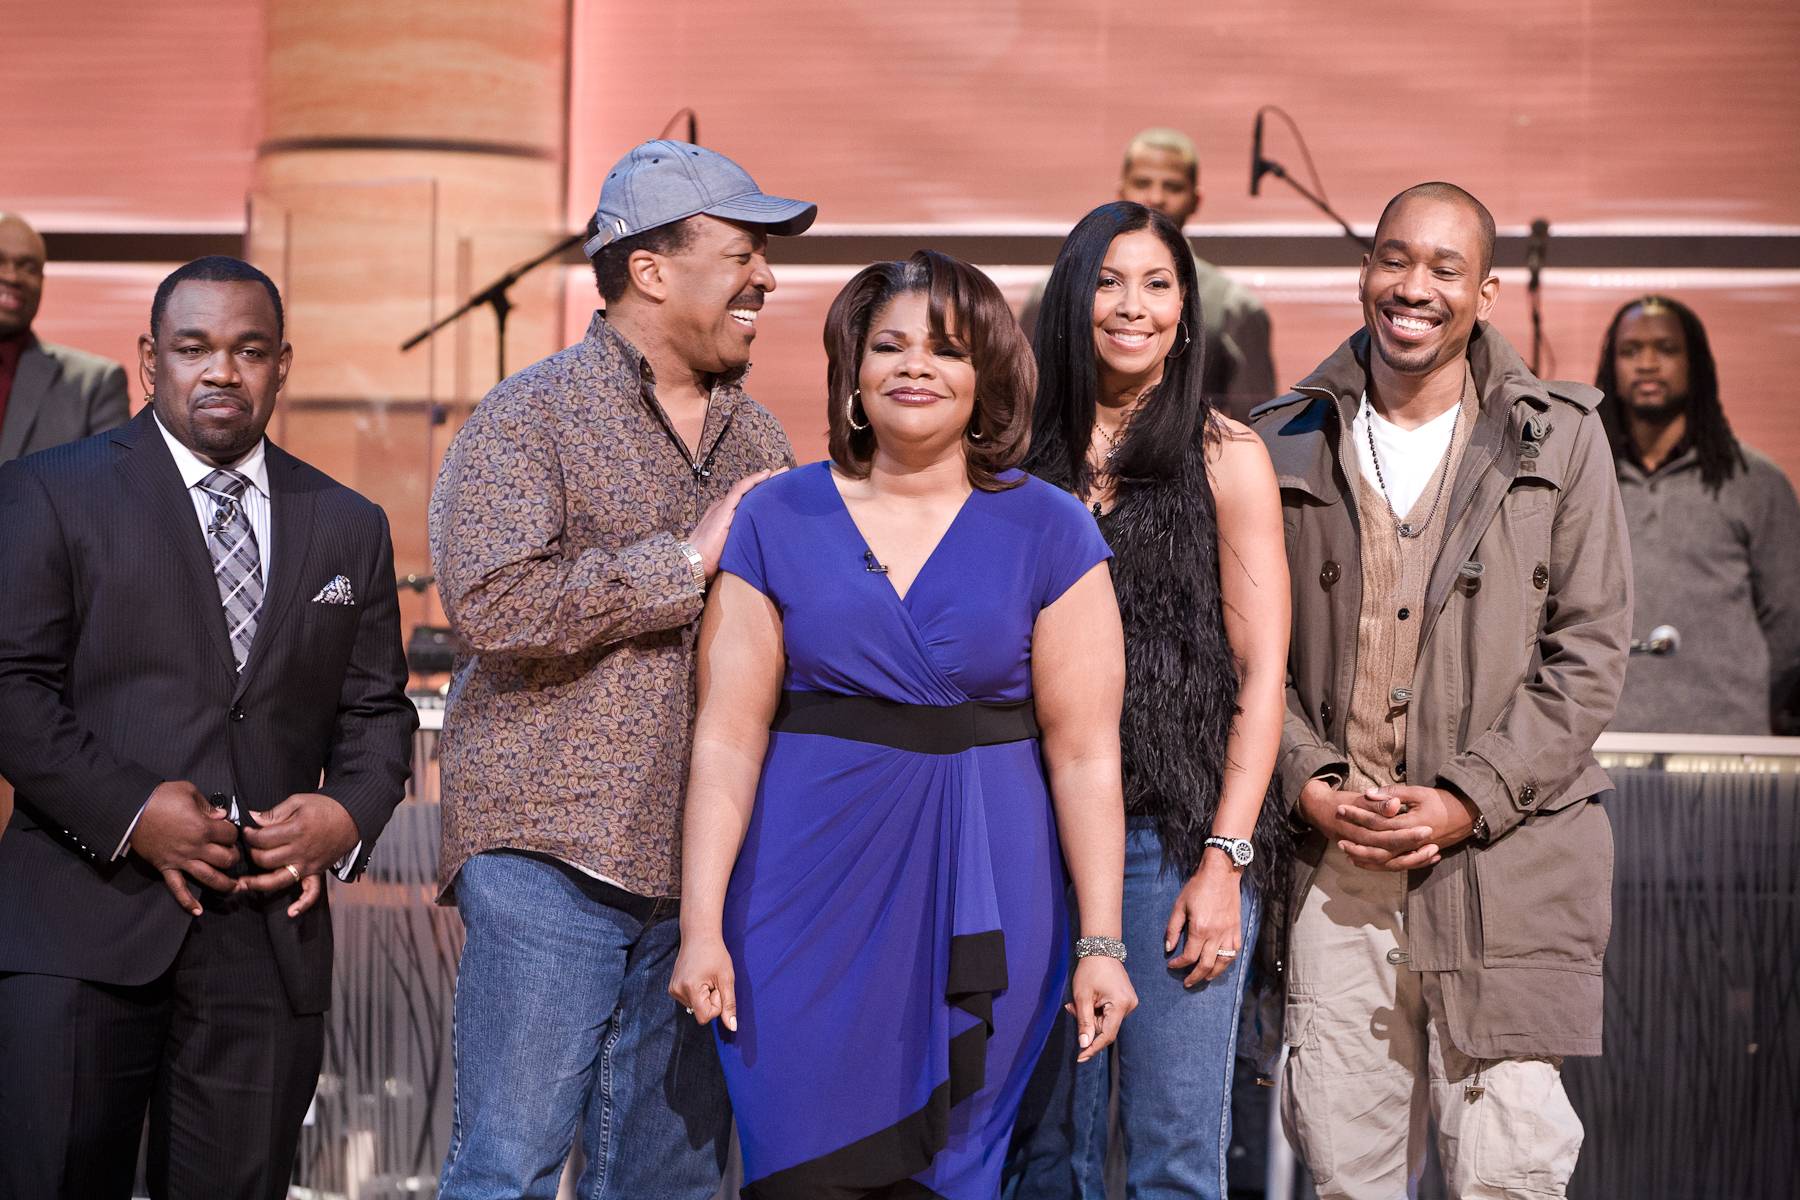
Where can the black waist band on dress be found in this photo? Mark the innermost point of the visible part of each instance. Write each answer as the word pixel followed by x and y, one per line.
pixel 920 728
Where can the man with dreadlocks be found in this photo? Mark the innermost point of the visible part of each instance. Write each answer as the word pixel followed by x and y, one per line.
pixel 1715 536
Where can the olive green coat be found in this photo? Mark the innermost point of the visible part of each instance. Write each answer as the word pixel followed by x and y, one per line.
pixel 1522 651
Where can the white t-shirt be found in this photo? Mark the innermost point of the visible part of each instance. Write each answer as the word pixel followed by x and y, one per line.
pixel 1410 458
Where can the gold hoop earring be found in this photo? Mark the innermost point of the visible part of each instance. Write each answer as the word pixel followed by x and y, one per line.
pixel 850 412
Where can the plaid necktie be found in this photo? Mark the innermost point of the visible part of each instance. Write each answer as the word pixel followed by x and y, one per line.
pixel 236 563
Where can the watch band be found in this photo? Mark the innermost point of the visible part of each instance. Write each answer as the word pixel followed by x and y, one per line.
pixel 696 564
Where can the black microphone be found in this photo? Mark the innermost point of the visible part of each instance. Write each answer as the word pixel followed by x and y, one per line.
pixel 871 564
pixel 1536 249
pixel 1258 168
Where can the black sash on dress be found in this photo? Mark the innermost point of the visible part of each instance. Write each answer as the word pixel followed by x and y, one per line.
pixel 919 728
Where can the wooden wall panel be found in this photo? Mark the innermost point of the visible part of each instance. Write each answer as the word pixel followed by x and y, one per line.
pixel 1602 111
pixel 130 116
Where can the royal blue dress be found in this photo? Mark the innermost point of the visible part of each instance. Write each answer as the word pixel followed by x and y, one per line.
pixel 897 916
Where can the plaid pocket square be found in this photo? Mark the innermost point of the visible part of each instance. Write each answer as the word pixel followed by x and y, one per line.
pixel 336 592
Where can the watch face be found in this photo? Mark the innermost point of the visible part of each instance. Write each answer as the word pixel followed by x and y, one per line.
pixel 1242 852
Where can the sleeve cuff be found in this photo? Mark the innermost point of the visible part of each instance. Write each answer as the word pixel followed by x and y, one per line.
pixel 345 867
pixel 1304 763
pixel 125 842
pixel 1503 802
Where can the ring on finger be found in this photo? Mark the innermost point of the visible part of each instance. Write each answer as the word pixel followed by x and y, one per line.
pixel 690 1012
pixel 292 871
pixel 1225 953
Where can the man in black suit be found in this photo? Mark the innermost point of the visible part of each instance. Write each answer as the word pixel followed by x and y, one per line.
pixel 49 394
pixel 154 692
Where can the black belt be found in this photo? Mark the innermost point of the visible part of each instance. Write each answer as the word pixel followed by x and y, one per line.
pixel 920 728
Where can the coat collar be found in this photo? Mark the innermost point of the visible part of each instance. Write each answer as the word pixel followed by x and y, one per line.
pixel 1306 421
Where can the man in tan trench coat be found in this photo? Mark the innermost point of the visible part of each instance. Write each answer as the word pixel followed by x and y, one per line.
pixel 1461 587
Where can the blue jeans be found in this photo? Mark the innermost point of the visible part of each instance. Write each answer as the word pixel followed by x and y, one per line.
pixel 563 1018
pixel 1173 1059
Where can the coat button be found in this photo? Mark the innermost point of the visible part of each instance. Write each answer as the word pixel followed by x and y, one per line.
pixel 1325 711
pixel 1540 577
pixel 1528 795
pixel 236 713
pixel 1329 574
pixel 1400 771
pixel 1405 613
pixel 1397 956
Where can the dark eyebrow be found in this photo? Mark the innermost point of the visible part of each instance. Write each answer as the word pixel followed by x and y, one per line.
pixel 1447 254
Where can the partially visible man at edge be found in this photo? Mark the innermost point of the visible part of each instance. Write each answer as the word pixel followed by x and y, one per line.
pixel 1462 610
pixel 49 394
pixel 1162 171
pixel 1715 536
pixel 578 520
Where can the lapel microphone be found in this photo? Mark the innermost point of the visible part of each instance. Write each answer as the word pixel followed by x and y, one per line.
pixel 872 565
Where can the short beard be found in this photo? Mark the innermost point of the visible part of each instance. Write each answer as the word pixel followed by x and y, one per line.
pixel 1660 413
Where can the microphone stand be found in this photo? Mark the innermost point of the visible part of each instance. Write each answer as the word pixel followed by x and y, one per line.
pixel 494 296
pixel 1269 166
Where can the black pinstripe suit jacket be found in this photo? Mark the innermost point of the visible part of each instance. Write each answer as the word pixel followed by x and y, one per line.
pixel 116 674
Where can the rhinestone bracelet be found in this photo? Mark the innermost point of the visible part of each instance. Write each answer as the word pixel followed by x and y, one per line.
pixel 1088 947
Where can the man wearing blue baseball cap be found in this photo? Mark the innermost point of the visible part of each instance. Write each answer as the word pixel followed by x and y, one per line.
pixel 578 519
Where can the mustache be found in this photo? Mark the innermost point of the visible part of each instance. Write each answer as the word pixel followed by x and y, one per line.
pixel 750 298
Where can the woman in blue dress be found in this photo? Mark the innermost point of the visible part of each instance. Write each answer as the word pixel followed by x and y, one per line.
pixel 910 678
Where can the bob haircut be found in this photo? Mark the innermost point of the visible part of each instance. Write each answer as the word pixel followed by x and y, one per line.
pixel 1173 414
pixel 966 310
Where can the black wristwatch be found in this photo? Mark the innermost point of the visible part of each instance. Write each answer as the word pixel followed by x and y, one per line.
pixel 1239 850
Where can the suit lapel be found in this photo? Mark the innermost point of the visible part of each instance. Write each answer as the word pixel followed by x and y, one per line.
pixel 290 536
pixel 150 474
pixel 32 380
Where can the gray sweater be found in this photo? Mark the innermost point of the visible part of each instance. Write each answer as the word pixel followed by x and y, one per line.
pixel 1724 569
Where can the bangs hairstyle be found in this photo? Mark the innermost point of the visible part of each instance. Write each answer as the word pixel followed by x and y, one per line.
pixel 1174 413
pixel 959 297
pixel 1707 429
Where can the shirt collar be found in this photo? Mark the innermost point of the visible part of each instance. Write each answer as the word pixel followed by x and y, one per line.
pixel 254 466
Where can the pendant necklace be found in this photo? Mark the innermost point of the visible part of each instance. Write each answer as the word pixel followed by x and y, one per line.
pixel 1405 528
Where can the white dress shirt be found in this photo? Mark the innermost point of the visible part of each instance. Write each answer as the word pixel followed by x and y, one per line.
pixel 1410 458
pixel 253 466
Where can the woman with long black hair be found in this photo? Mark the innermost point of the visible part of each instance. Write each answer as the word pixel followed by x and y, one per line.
pixel 1187 500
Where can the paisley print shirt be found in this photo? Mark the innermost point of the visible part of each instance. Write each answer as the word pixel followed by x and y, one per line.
pixel 555 525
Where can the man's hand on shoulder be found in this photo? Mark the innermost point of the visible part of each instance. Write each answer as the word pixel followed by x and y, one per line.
pixel 708 537
pixel 183 836
pixel 309 833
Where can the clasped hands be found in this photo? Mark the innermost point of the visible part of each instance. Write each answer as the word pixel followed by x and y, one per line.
pixel 184 837
pixel 1396 828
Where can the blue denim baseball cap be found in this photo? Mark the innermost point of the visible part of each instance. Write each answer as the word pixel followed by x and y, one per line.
pixel 661 182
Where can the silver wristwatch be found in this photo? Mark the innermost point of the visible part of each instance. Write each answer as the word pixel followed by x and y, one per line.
pixel 1239 850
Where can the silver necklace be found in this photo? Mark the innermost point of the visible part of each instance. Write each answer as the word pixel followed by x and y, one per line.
pixel 1405 528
